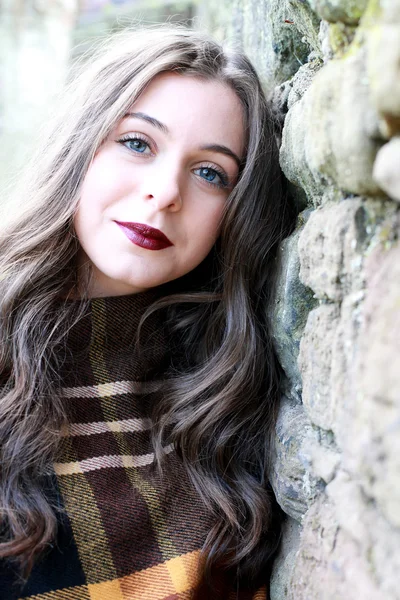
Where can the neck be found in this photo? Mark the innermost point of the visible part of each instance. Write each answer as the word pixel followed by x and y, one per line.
pixel 107 335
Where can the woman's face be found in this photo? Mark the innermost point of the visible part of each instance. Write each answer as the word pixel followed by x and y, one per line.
pixel 153 197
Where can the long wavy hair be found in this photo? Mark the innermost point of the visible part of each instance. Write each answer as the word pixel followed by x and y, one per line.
pixel 222 403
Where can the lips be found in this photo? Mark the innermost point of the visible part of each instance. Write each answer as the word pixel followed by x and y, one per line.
pixel 144 236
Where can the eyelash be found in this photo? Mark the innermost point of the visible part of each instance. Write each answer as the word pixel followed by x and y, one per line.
pixel 224 184
pixel 132 138
pixel 221 174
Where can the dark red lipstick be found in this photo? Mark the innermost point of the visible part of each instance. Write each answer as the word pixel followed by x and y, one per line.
pixel 144 236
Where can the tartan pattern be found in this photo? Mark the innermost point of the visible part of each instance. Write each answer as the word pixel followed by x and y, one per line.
pixel 126 533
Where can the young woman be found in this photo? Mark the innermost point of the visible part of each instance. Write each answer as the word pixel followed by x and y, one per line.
pixel 139 385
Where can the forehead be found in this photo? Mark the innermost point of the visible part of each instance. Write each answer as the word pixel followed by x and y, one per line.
pixel 208 111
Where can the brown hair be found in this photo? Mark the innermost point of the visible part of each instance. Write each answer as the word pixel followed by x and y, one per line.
pixel 223 404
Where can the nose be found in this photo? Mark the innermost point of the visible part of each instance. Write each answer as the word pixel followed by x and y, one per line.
pixel 163 189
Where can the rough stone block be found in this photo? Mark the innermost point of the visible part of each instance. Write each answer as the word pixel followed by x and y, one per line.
pixel 276 47
pixel 386 168
pixel 330 249
pixel 294 484
pixel 340 38
pixel 349 506
pixel 390 10
pixel 378 543
pixel 322 460
pixel 347 11
pixel 305 21
pixel 331 134
pixel 284 562
pixel 375 448
pixel 300 83
pixel 384 69
pixel 315 360
pixel 290 308
pixel 344 355
pixel 293 153
pixel 329 564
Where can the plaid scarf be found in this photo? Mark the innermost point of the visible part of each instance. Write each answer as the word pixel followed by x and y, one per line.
pixel 125 532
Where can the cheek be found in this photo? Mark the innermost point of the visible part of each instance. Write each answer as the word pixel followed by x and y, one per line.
pixel 92 202
pixel 81 227
pixel 214 219
pixel 95 189
pixel 103 183
pixel 97 196
pixel 206 228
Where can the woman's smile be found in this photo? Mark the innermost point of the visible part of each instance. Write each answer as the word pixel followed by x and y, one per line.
pixel 153 198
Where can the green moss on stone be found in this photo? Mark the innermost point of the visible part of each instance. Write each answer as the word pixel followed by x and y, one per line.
pixel 355 9
pixel 372 14
pixel 369 24
pixel 340 38
pixel 346 40
pixel 345 11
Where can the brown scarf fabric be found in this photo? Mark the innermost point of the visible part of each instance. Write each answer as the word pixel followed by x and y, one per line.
pixel 127 533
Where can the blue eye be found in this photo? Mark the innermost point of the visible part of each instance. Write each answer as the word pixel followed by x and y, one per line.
pixel 208 174
pixel 136 144
pixel 212 176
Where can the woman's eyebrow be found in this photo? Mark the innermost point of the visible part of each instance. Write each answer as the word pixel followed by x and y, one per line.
pixel 222 150
pixel 162 127
pixel 148 119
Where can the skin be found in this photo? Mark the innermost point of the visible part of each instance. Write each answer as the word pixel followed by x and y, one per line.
pixel 166 178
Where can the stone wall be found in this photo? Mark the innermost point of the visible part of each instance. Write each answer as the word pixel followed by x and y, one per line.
pixel 332 67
